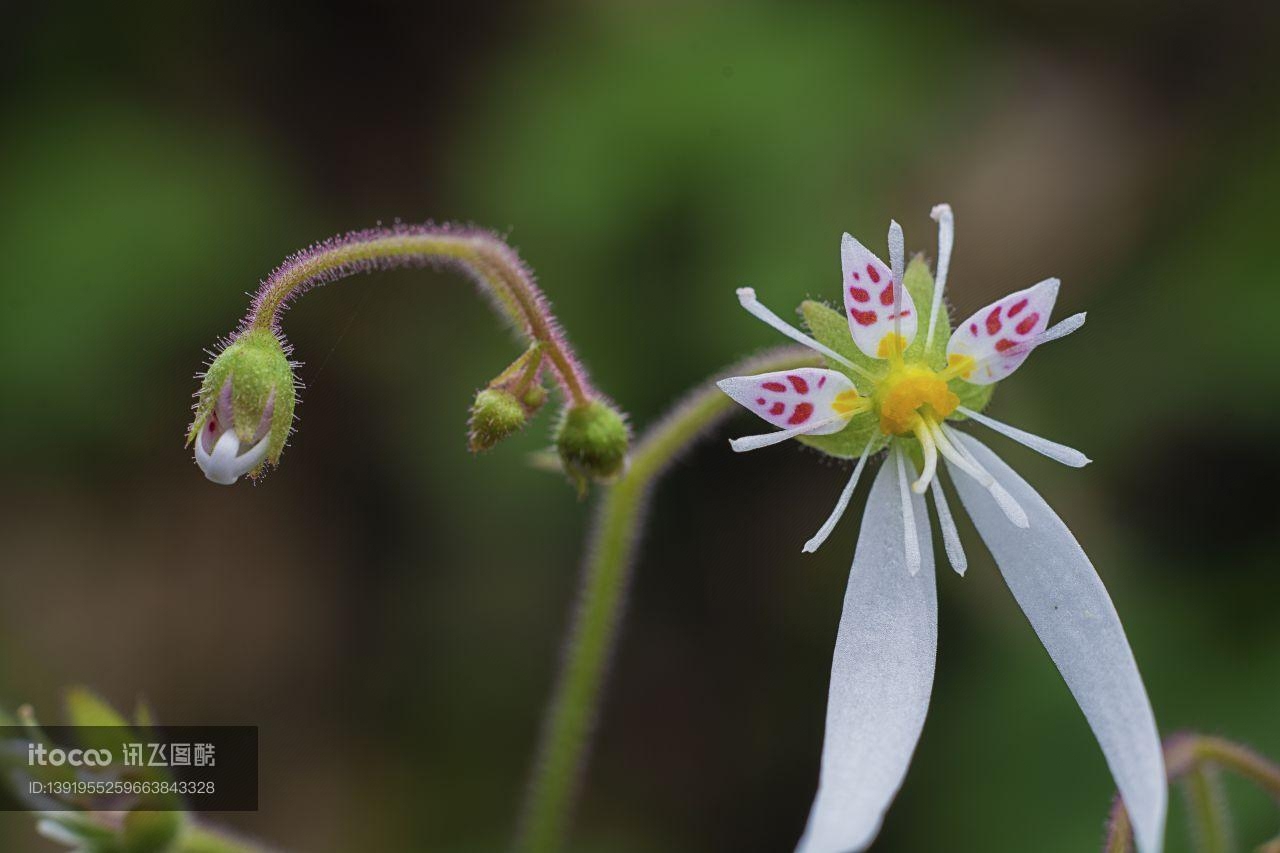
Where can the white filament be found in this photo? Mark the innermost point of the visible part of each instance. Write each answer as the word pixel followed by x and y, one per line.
pixel 747 297
pixel 897 252
pixel 898 264
pixel 841 505
pixel 957 458
pixel 1057 452
pixel 941 214
pixel 1008 505
pixel 950 535
pixel 909 532
pixel 930 450
pixel 755 442
pixel 1058 330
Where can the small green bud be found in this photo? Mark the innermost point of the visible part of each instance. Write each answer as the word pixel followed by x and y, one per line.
pixel 592 440
pixel 245 402
pixel 495 415
pixel 512 398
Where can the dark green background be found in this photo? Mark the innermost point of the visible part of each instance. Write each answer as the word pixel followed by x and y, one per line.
pixel 388 608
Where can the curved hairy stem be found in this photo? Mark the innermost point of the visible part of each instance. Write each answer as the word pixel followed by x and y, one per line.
pixel 561 754
pixel 485 257
pixel 1193 760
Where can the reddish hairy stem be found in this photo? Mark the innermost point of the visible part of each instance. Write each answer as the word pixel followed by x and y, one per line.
pixel 494 266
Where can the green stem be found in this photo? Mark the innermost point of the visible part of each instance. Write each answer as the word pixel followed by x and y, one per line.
pixel 561 754
pixel 1207 812
pixel 1195 759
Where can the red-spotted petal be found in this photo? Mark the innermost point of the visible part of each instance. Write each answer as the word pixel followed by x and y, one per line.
pixel 872 303
pixel 996 336
pixel 793 398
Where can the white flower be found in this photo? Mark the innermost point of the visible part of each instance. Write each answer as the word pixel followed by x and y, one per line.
pixel 898 391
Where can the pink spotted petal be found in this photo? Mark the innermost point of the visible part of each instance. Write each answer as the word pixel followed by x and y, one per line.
pixel 792 398
pixel 1000 328
pixel 870 292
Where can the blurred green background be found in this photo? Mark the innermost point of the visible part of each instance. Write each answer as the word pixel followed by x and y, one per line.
pixel 389 608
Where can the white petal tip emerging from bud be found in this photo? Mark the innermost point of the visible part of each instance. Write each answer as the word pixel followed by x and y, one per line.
pixel 226 464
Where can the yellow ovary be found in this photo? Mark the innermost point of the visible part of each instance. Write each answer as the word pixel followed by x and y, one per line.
pixel 905 392
pixel 891 345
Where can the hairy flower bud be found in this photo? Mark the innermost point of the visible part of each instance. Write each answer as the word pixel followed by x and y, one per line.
pixel 244 408
pixel 512 398
pixel 495 415
pixel 592 440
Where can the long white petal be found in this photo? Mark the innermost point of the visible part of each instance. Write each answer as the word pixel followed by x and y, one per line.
pixel 1067 605
pixel 950 535
pixel 815 542
pixel 1056 452
pixel 881 676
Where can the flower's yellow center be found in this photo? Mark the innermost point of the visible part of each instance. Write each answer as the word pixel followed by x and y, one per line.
pixel 908 393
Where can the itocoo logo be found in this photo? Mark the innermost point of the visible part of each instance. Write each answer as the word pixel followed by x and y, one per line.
pixel 38 754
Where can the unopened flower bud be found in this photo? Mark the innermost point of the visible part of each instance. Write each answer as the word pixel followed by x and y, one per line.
pixel 592 441
pixel 495 415
pixel 244 408
pixel 512 398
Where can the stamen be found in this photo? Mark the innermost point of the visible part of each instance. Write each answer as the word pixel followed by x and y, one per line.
pixel 897 252
pixel 747 297
pixel 1058 330
pixel 957 457
pixel 909 532
pixel 1057 452
pixel 1008 505
pixel 898 262
pixel 950 535
pixel 755 442
pixel 941 214
pixel 841 505
pixel 930 449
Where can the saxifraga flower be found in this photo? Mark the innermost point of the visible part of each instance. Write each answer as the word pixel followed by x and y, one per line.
pixel 900 384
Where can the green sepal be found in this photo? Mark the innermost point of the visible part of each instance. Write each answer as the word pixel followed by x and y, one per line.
pixel 258 367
